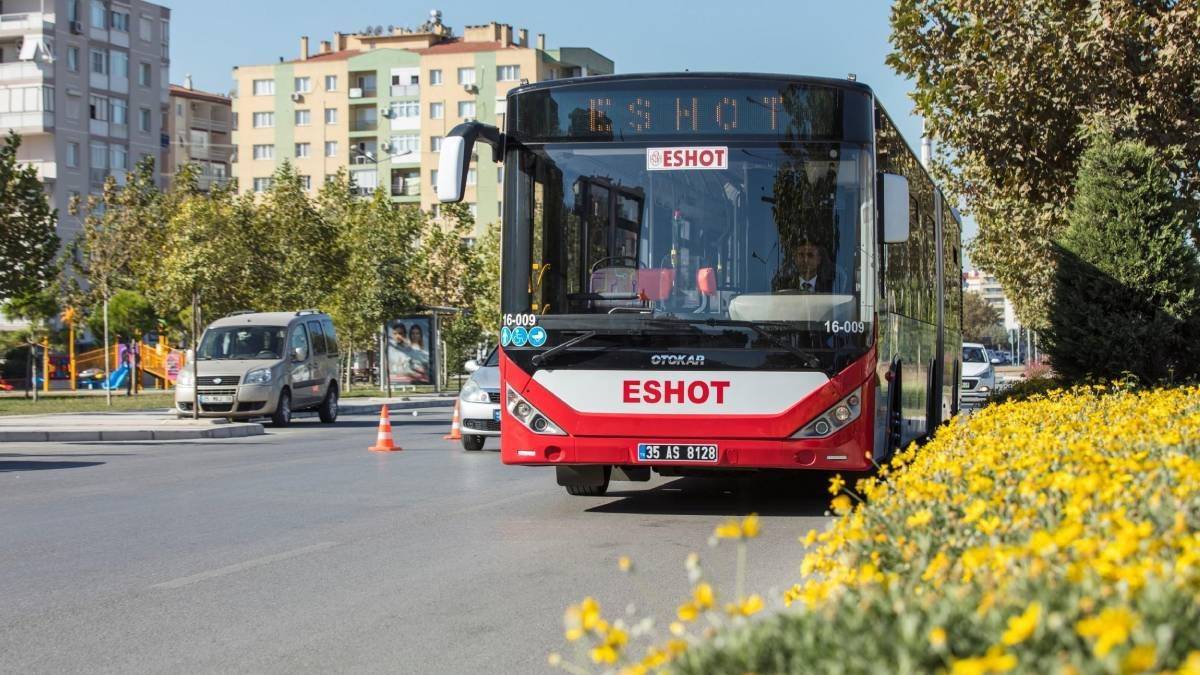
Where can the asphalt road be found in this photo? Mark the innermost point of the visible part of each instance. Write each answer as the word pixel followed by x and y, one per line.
pixel 302 551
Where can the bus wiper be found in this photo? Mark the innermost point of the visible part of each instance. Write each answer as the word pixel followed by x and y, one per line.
pixel 541 358
pixel 807 359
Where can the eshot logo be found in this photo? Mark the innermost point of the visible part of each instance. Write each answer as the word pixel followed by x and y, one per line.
pixel 685 158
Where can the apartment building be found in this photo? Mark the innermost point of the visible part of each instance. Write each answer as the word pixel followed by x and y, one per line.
pixel 85 84
pixel 986 286
pixel 379 102
pixel 200 125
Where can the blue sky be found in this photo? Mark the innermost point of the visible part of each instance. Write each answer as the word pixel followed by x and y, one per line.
pixel 808 37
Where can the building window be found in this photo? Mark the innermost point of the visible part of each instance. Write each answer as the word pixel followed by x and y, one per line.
pixel 73 155
pixel 73 59
pixel 405 144
pixel 262 120
pixel 433 177
pixel 144 74
pixel 179 109
pixel 262 184
pixel 331 148
pixel 466 76
pixel 99 156
pixel 144 120
pixel 120 112
pixel 303 118
pixel 435 210
pixel 120 21
pixel 435 143
pixel 500 174
pixel 145 26
pixel 120 64
pixel 473 208
pixel 302 150
pixel 435 76
pixel 331 116
pixel 99 62
pixel 472 177
pixel 331 83
pixel 437 111
pixel 306 182
pixel 264 152
pixel 406 109
pixel 98 13
pixel 466 109
pixel 264 87
pixel 98 108
pixel 303 85
pixel 119 158
pixel 508 73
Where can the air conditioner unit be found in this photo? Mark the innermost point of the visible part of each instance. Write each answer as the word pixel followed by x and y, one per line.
pixel 468 119
pixel 355 92
pixel 361 160
pixel 386 112
pixel 297 97
pixel 470 88
pixel 77 27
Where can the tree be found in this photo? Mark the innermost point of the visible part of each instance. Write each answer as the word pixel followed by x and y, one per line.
pixel 380 238
pixel 1013 91
pixel 485 298
pixel 445 278
pixel 980 319
pixel 307 257
pixel 28 244
pixel 129 314
pixel 1127 292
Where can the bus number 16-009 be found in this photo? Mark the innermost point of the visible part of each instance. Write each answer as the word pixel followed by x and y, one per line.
pixel 846 326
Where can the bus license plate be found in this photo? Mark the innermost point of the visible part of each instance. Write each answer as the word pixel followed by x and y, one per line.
pixel 670 452
pixel 215 398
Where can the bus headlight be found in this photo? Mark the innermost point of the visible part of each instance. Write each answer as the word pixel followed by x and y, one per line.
pixel 842 413
pixel 531 417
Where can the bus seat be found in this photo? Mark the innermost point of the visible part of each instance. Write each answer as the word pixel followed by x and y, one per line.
pixel 706 280
pixel 655 283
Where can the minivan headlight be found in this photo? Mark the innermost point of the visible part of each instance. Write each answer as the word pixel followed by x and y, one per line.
pixel 259 376
pixel 473 393
pixel 185 377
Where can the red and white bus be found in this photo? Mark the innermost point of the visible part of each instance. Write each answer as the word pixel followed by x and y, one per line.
pixel 715 272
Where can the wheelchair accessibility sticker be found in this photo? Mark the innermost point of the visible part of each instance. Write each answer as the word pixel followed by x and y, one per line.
pixel 537 336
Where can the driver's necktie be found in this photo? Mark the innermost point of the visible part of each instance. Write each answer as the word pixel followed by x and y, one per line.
pixel 808 287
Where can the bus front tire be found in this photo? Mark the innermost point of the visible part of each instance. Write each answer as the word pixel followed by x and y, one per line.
pixel 584 481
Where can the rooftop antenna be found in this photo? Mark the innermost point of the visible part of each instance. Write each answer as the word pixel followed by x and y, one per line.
pixel 852 77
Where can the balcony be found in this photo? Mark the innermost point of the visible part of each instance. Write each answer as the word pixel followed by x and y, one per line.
pixel 364 125
pixel 26 123
pixel 25 23
pixel 26 71
pixel 408 188
pixel 46 170
pixel 399 90
pixel 210 123
pixel 363 92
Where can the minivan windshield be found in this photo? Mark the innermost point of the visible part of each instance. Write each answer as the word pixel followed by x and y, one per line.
pixel 243 343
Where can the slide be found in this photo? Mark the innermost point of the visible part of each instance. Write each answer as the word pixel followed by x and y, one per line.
pixel 116 379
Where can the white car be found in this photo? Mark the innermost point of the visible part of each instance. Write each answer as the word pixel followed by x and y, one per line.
pixel 479 402
pixel 978 375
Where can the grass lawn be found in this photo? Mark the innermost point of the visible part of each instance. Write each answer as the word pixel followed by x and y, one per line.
pixel 51 403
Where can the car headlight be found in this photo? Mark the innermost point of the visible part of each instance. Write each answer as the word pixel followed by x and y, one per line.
pixel 260 376
pixel 184 378
pixel 473 393
pixel 531 417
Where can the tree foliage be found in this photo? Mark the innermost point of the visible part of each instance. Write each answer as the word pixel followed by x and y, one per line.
pixel 980 319
pixel 129 314
pixel 1014 90
pixel 28 243
pixel 1127 292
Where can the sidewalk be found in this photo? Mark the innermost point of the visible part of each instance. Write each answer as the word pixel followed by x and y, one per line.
pixel 162 425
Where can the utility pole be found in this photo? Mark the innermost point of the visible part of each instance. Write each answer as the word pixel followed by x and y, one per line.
pixel 195 355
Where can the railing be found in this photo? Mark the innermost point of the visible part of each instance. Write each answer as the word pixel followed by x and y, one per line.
pixel 24 21
pixel 46 169
pixel 409 188
pixel 25 70
pixel 364 125
pixel 406 90
pixel 210 123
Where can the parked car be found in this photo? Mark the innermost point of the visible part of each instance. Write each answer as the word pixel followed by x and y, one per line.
pixel 479 402
pixel 264 364
pixel 978 373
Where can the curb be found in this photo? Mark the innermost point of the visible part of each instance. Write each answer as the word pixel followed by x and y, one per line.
pixel 222 431
pixel 363 408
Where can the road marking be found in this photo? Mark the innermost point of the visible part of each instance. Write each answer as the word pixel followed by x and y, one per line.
pixel 498 502
pixel 249 564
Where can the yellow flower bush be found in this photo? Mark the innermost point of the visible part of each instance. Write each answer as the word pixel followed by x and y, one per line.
pixel 1057 534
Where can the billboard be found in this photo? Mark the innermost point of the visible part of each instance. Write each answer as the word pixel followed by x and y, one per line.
pixel 410 341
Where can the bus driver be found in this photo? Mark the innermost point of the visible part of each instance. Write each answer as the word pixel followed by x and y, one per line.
pixel 809 270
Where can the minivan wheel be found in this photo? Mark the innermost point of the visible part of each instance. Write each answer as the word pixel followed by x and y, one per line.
pixel 328 411
pixel 283 411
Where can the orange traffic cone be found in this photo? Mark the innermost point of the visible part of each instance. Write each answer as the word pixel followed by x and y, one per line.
pixel 383 442
pixel 455 428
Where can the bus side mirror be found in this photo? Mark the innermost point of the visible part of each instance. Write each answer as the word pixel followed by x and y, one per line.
pixel 893 191
pixel 455 157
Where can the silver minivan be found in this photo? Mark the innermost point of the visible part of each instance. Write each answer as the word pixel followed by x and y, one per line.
pixel 260 364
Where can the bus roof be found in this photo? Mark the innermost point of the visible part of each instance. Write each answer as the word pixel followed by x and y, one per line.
pixel 629 77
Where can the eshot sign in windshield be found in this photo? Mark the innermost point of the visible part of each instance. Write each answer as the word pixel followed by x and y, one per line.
pixel 687 158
